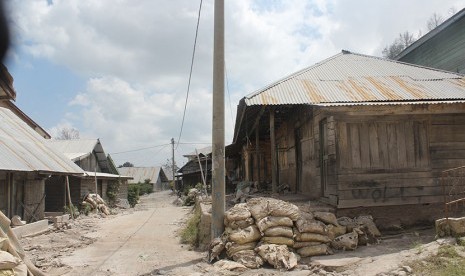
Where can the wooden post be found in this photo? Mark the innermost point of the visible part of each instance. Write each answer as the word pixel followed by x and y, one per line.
pixel 8 177
pixel 257 153
pixel 201 173
pixel 274 163
pixel 96 185
pixel 71 209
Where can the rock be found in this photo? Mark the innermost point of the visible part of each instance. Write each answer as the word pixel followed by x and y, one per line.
pixel 450 227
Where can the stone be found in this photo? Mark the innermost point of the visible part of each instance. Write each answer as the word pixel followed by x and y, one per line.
pixel 450 227
pixel 407 269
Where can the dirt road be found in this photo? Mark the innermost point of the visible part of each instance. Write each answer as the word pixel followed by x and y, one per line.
pixel 143 242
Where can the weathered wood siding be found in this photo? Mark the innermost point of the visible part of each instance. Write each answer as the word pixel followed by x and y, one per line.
pixel 444 51
pixel 390 159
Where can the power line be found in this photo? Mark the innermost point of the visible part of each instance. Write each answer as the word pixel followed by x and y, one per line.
pixel 229 95
pixel 138 149
pixel 190 73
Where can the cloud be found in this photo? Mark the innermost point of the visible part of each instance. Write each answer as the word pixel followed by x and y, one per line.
pixel 135 55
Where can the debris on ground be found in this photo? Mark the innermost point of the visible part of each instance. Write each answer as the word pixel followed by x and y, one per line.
pixel 12 257
pixel 267 230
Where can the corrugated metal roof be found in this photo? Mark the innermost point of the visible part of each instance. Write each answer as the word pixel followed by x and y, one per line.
pixel 106 175
pixel 140 174
pixel 23 149
pixel 355 78
pixel 75 148
pixel 78 149
pixel 204 151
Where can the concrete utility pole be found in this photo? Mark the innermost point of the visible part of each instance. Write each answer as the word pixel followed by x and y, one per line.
pixel 218 187
pixel 173 165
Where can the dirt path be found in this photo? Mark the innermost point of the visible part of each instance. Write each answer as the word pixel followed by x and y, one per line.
pixel 143 242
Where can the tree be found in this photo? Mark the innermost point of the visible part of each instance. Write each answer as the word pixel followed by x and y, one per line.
pixel 403 41
pixel 126 164
pixel 434 21
pixel 67 133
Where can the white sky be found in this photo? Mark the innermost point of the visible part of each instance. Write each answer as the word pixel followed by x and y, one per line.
pixel 118 70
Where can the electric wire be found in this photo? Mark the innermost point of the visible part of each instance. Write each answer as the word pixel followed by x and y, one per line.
pixel 190 73
pixel 229 94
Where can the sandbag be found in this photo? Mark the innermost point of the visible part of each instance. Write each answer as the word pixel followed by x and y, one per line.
pixel 298 245
pixel 311 237
pixel 326 217
pixel 367 221
pixel 8 261
pixel 229 265
pixel 278 256
pixel 7 272
pixel 20 270
pixel 349 223
pixel 233 248
pixel 215 249
pixel 240 224
pixel 246 235
pixel 314 250
pixel 237 212
pixel 347 241
pixel 279 231
pixel 248 258
pixel 306 215
pixel 268 222
pixel 336 231
pixel 278 240
pixel 261 207
pixel 311 226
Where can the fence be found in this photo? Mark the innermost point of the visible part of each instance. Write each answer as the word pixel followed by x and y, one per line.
pixel 453 186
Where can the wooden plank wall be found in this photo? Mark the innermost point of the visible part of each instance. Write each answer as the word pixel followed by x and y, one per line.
pixel 396 160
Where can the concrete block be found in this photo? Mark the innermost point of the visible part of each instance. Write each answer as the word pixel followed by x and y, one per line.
pixel 60 220
pixel 31 228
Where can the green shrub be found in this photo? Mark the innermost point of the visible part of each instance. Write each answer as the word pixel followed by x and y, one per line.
pixel 133 194
pixel 145 188
pixel 189 234
pixel 112 192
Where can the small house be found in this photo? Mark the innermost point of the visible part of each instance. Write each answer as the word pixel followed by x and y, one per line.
pixel 98 175
pixel 198 168
pixel 358 133
pixel 153 175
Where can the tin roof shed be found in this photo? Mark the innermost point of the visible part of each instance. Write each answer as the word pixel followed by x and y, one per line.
pixel 23 149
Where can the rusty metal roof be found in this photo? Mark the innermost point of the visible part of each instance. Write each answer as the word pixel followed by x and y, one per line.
pixel 23 149
pixel 355 78
pixel 140 174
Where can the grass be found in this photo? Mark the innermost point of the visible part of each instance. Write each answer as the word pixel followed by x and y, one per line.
pixel 447 262
pixel 189 234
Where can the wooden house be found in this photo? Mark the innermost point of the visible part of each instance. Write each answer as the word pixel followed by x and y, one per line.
pixel 99 173
pixel 198 167
pixel 154 175
pixel 358 133
pixel 441 48
pixel 26 160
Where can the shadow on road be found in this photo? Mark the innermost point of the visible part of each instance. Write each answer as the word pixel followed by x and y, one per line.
pixel 164 270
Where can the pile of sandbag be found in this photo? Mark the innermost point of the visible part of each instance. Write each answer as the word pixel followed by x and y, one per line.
pixel 96 203
pixel 268 230
pixel 242 236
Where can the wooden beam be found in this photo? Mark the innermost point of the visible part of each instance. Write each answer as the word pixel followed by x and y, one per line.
pixel 274 163
pixel 257 153
pixel 257 121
